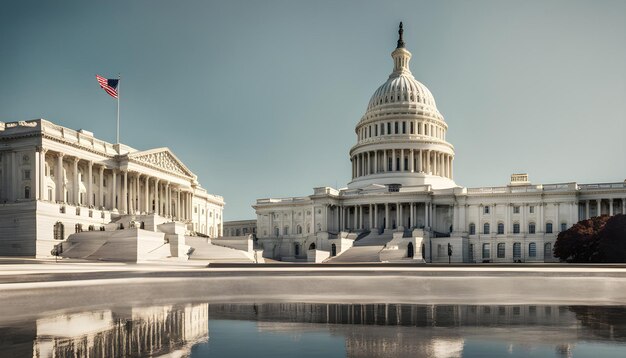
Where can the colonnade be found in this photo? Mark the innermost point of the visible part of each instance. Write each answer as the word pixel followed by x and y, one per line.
pixel 379 216
pixel 598 207
pixel 129 192
pixel 402 160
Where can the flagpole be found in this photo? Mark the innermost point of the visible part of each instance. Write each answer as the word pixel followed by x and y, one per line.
pixel 119 77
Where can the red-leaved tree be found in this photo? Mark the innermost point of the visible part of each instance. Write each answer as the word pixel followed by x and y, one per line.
pixel 599 239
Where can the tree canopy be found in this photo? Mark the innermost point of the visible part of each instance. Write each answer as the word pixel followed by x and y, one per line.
pixel 599 239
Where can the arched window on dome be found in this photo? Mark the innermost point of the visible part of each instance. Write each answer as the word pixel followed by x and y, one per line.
pixel 388 127
pixel 396 128
pixel 403 127
pixel 375 130
pixel 411 128
pixel 425 129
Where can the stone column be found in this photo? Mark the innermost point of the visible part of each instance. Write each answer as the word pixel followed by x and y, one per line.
pixel 393 160
pixel 524 225
pixel 507 219
pixel 611 207
pixel 386 161
pixel 60 180
pixel 168 198
pixel 114 190
pixel 557 207
pixel 541 219
pixel 156 196
pixel 412 161
pixel 599 207
pixel 101 187
pixel 586 209
pixel 411 213
pixel 90 201
pixel 41 178
pixel 387 216
pixel 376 162
pixel 433 216
pixel 76 196
pixel 125 192
pixel 375 208
pixel 402 168
pixel 146 195
pixel 426 216
pixel 398 218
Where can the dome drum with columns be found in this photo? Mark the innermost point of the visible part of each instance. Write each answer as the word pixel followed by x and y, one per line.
pixel 401 138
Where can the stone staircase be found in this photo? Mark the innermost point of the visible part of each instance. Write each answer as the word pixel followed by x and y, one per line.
pixel 366 248
pixel 205 250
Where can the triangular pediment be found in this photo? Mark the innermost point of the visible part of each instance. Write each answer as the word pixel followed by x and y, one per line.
pixel 161 158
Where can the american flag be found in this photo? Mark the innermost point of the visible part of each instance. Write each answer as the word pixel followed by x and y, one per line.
pixel 109 85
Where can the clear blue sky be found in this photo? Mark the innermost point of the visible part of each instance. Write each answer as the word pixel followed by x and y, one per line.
pixel 260 98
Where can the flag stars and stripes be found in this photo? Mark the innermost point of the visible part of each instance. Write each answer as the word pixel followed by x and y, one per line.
pixel 108 85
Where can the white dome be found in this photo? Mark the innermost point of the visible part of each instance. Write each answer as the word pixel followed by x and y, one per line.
pixel 402 88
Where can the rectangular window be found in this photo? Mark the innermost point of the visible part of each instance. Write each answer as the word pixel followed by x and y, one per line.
pixel 388 127
pixel 403 127
pixel 501 250
pixel 548 228
pixel 376 131
pixel 396 128
pixel 517 250
pixel 486 251
pixel 531 228
pixel 531 209
pixel 516 210
pixel 563 226
pixel 516 228
pixel 486 209
pixel 27 174
pixel 412 129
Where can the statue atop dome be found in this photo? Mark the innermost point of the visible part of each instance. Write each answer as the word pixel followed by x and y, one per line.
pixel 400 32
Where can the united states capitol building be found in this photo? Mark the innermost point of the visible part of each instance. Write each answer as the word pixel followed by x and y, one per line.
pixel 403 203
pixel 56 182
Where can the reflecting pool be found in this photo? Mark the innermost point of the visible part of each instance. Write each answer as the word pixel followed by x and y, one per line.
pixel 200 329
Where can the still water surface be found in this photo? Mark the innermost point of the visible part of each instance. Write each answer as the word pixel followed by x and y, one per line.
pixel 321 330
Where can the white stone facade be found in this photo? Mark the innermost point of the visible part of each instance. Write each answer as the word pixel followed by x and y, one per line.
pixel 402 179
pixel 55 181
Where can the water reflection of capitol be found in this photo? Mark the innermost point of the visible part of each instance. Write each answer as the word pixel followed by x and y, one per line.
pixel 403 330
pixel 144 331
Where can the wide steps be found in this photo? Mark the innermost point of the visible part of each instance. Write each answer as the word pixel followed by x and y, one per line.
pixel 204 250
pixel 368 253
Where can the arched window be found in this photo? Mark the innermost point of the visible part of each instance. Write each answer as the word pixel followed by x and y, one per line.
pixel 296 249
pixel 78 228
pixel 486 251
pixel 500 229
pixel 410 250
pixel 486 228
pixel 547 251
pixel 532 250
pixel 548 228
pixel 501 250
pixel 299 229
pixel 333 250
pixel 516 228
pixel 531 228
pixel 59 231
pixel 286 230
pixel 472 229
pixel 563 226
pixel 312 246
pixel 27 192
pixel 517 250
pixel 276 232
